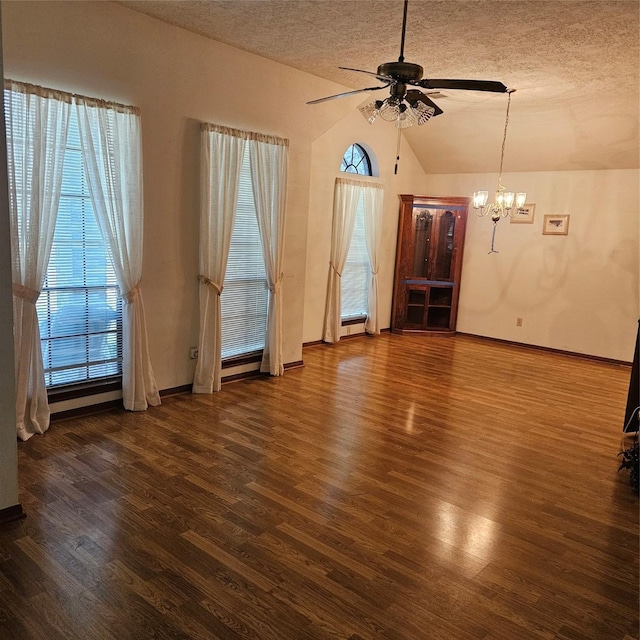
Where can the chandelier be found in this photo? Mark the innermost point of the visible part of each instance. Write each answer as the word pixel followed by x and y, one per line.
pixel 506 203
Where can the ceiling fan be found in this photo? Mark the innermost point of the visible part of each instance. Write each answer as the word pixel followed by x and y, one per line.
pixel 405 105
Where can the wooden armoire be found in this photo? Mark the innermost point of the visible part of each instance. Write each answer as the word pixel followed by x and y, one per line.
pixel 428 264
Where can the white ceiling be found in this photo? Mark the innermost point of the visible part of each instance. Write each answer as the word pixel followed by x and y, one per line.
pixel 574 64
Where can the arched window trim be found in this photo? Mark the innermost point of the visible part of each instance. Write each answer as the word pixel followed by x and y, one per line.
pixel 356 160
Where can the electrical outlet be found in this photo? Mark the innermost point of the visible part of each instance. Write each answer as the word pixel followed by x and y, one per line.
pixel 518 322
pixel 193 353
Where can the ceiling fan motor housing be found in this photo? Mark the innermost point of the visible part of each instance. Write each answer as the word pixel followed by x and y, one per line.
pixel 407 72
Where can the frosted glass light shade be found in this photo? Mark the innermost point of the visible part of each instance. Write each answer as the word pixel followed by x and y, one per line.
pixel 480 199
pixel 370 111
pixel 422 112
pixel 521 198
pixel 509 197
pixel 389 111
pixel 405 119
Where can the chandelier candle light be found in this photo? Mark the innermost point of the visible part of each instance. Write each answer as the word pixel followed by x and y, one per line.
pixel 504 202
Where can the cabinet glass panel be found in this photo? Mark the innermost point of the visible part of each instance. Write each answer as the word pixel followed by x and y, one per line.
pixel 441 270
pixel 438 317
pixel 422 238
pixel 440 297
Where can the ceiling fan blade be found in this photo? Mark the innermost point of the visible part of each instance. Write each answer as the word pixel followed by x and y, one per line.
pixel 370 73
pixel 414 95
pixel 468 85
pixel 347 93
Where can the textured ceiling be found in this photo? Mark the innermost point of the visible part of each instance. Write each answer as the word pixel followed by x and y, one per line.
pixel 574 64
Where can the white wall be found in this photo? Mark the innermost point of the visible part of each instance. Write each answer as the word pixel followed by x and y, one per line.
pixel 178 79
pixel 577 292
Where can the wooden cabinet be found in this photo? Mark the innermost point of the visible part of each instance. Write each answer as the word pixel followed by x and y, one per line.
pixel 428 264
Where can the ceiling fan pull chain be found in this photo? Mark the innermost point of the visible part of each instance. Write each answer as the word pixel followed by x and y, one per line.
pixel 395 170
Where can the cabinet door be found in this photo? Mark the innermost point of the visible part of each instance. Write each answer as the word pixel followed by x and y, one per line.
pixel 422 224
pixel 442 247
pixel 431 250
pixel 417 304
pixel 439 308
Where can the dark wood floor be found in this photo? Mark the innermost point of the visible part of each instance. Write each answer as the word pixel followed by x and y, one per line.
pixel 395 488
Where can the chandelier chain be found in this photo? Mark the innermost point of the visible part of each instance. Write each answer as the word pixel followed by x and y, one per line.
pixel 504 136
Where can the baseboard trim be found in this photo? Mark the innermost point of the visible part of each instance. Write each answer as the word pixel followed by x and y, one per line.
pixel 362 334
pixel 111 405
pixel 574 354
pixel 313 343
pixel 524 345
pixel 9 514
pixel 176 391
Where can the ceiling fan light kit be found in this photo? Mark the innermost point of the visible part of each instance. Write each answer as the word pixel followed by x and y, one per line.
pixel 416 108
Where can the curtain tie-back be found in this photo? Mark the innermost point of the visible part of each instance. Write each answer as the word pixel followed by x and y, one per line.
pixel 210 283
pixel 26 293
pixel 275 287
pixel 333 266
pixel 130 296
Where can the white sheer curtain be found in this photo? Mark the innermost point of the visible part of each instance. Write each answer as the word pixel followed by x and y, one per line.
pixel 112 148
pixel 221 157
pixel 37 123
pixel 268 158
pixel 373 195
pixel 345 202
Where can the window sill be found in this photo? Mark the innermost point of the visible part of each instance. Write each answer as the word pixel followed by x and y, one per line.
pixel 245 358
pixel 83 389
pixel 353 320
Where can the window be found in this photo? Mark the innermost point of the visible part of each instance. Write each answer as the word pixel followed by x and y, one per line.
pixel 79 313
pixel 355 275
pixel 242 213
pixel 245 295
pixel 356 160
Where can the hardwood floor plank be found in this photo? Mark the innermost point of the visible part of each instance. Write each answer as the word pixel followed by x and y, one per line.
pixel 396 488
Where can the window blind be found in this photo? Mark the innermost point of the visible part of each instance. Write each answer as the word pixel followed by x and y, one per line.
pixel 79 312
pixel 244 297
pixel 354 284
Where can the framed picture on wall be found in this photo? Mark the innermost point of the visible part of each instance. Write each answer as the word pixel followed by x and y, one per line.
pixel 555 225
pixel 524 213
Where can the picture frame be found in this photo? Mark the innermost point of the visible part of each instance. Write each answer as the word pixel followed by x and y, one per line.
pixel 555 225
pixel 524 214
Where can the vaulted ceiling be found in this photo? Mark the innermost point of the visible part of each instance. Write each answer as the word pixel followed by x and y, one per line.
pixel 575 65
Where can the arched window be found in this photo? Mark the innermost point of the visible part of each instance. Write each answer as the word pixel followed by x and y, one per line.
pixel 356 272
pixel 356 160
